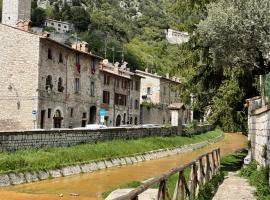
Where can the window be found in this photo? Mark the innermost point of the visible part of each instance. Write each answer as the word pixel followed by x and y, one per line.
pixel 59 25
pixel 71 112
pixel 117 83
pixel 65 26
pixel 120 99
pixel 77 85
pixel 50 54
pixel 137 85
pixel 149 91
pixel 93 67
pixel 77 58
pixel 52 23
pixel 49 112
pixel 136 106
pixel 84 115
pixel 106 97
pixel 106 79
pixel 49 84
pixel 92 88
pixel 60 58
pixel 131 85
pixel 60 85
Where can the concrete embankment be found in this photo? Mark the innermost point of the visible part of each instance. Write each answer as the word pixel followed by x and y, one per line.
pixel 27 177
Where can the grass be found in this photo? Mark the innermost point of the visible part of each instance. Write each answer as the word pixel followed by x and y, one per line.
pixel 51 158
pixel 232 162
pixel 259 179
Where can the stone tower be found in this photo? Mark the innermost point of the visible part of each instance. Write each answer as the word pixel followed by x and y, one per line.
pixel 15 10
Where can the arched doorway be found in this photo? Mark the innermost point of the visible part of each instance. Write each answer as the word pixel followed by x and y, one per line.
pixel 118 120
pixel 92 115
pixel 136 121
pixel 57 119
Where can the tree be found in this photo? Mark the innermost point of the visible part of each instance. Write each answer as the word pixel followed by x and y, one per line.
pixel 38 17
pixel 80 18
pixel 236 34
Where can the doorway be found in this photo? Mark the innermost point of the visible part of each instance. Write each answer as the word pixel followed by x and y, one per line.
pixel 57 119
pixel 93 114
pixel 118 120
pixel 42 119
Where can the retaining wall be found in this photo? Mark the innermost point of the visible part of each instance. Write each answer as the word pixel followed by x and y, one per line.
pixel 10 141
pixel 27 177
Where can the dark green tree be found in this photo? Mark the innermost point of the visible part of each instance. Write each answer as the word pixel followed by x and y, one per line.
pixel 80 18
pixel 38 17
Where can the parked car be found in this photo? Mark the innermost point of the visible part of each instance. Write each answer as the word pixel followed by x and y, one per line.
pixel 91 127
pixel 151 126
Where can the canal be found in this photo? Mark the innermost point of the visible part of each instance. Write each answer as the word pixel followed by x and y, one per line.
pixel 91 186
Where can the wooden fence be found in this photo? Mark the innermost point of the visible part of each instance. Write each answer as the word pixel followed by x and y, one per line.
pixel 202 170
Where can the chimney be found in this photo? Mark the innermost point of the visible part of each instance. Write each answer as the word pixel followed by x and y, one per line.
pixel 167 75
pixel 81 46
pixel 24 25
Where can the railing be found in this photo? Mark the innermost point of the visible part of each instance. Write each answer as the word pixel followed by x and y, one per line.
pixel 202 170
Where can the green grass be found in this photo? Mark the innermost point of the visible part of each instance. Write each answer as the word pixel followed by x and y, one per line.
pixel 259 179
pixel 50 158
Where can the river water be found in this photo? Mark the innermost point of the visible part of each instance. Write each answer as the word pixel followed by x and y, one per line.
pixel 91 186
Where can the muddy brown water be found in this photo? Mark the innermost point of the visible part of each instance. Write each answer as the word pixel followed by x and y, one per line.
pixel 91 186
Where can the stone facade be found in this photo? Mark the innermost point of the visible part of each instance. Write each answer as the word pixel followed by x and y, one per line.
pixel 18 77
pixel 177 37
pixel 58 82
pixel 157 94
pixel 120 94
pixel 259 131
pixel 59 26
pixel 15 10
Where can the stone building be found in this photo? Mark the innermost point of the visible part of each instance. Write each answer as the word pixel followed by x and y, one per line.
pixel 120 94
pixel 176 37
pixel 157 94
pixel 45 84
pixel 15 10
pixel 59 26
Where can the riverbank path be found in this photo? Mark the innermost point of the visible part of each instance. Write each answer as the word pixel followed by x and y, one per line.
pixel 235 187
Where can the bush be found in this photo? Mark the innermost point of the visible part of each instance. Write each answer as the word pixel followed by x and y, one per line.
pixel 259 179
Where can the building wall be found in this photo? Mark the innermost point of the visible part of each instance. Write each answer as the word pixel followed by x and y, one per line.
pixel 259 132
pixel 19 57
pixel 14 10
pixel 67 100
pixel 177 37
pixel 59 26
pixel 152 82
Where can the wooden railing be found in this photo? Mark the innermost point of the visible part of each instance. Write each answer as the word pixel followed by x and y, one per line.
pixel 202 170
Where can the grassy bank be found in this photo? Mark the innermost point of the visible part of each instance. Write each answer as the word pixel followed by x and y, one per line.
pixel 259 179
pixel 50 158
pixel 232 162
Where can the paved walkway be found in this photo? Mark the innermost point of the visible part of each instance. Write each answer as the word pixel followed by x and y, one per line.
pixel 235 188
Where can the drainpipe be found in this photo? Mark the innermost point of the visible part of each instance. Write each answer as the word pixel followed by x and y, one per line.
pixel 114 102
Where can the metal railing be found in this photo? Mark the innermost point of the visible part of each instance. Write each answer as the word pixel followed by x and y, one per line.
pixel 202 170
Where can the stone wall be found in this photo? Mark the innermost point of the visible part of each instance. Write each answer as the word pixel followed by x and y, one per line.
pixel 259 134
pixel 37 139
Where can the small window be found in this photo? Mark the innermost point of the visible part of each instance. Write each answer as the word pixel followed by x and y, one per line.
pixel 136 104
pixel 106 97
pixel 60 58
pixel 52 24
pixel 60 85
pixel 92 88
pixel 71 112
pixel 77 58
pixel 50 54
pixel 137 85
pixel 49 84
pixel 77 85
pixel 107 79
pixel 149 91
pixel 49 112
pixel 59 25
